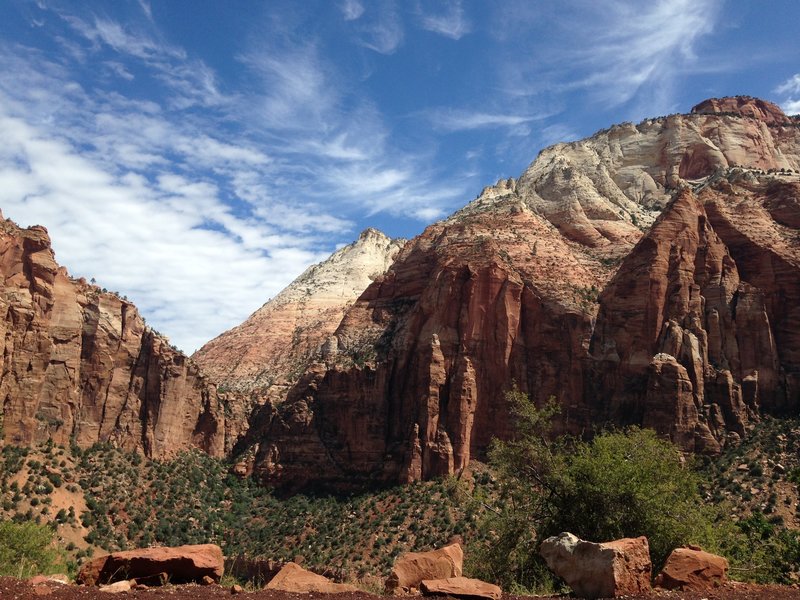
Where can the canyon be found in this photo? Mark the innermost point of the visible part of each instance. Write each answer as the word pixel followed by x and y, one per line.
pixel 647 275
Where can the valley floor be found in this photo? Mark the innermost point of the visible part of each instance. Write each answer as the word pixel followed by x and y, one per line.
pixel 16 589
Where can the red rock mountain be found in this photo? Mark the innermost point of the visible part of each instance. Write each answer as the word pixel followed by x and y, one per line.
pixel 694 333
pixel 80 365
pixel 649 274
pixel 267 352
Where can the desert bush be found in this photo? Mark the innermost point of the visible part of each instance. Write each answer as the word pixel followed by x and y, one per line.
pixel 621 484
pixel 26 549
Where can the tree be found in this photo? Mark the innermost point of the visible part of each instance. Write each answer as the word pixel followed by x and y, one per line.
pixel 620 484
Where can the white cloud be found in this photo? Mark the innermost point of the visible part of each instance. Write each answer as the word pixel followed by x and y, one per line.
pixel 790 89
pixel 614 52
pixel 382 29
pixel 351 9
pixel 463 120
pixel 192 82
pixel 197 215
pixel 791 107
pixel 452 23
pixel 790 86
pixel 119 70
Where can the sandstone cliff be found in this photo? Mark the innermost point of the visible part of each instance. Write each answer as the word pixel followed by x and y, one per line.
pixel 649 274
pixel 80 365
pixel 696 332
pixel 413 379
pixel 274 345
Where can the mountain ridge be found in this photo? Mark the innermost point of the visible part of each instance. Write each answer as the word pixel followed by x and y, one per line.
pixel 389 361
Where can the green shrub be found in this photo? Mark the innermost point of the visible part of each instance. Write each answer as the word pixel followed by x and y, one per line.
pixel 26 549
pixel 621 484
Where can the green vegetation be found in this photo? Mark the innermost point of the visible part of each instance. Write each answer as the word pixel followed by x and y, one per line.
pixel 27 549
pixel 742 504
pixel 625 484
pixel 621 484
pixel 134 502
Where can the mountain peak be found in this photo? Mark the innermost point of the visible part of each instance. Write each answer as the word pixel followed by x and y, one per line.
pixel 746 106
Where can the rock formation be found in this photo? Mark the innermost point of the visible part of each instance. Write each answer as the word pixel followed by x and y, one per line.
pixel 412 568
pixel 181 564
pixel 746 106
pixel 692 569
pixel 80 365
pixel 605 570
pixel 412 382
pixel 649 274
pixel 294 578
pixel 696 331
pixel 273 346
pixel 461 587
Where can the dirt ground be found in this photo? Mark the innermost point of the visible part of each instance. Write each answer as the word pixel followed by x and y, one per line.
pixel 15 589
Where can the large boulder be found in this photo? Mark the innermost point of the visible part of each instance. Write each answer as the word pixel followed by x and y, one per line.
pixel 460 587
pixel 604 570
pixel 693 569
pixel 411 568
pixel 294 578
pixel 183 564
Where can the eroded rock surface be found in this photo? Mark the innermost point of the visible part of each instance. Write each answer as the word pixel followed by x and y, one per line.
pixel 181 564
pixel 461 587
pixel 693 335
pixel 693 569
pixel 411 568
pixel 80 364
pixel 294 578
pixel 269 351
pixel 605 570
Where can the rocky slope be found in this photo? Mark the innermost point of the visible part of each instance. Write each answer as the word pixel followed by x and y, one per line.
pixel 80 365
pixel 267 352
pixel 695 334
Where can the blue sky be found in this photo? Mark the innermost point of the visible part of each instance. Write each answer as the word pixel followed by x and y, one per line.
pixel 196 156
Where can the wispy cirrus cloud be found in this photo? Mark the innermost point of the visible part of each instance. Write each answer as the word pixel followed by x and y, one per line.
pixel 465 120
pixel 618 52
pixel 156 195
pixel 381 28
pixel 351 9
pixel 452 22
pixel 636 46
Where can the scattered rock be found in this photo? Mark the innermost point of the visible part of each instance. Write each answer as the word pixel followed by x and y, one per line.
pixel 58 579
pixel 236 589
pixel 693 569
pixel 294 578
pixel 117 587
pixel 604 570
pixel 461 587
pixel 183 564
pixel 206 580
pixel 411 568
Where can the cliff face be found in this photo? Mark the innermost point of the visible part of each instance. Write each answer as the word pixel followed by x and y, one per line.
pixel 413 379
pixel 272 348
pixel 80 365
pixel 696 331
pixel 638 276
pixel 597 191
